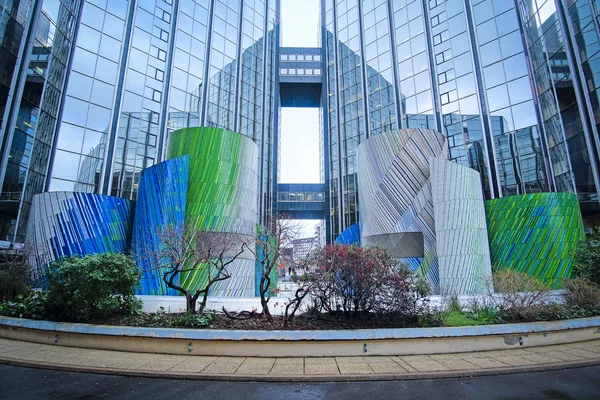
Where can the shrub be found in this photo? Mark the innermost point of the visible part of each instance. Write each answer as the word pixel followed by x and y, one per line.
pixel 486 314
pixel 354 280
pixel 14 278
pixel 582 293
pixel 32 305
pixel 587 258
pixel 519 296
pixel 93 287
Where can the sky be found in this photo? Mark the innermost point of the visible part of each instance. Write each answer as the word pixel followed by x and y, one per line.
pixel 300 126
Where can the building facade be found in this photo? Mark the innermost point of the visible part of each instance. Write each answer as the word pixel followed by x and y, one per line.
pixel 510 84
pixel 91 89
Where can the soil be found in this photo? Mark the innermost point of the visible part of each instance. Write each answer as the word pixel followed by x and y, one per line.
pixel 322 322
pixel 301 322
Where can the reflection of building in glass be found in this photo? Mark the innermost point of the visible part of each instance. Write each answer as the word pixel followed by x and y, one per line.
pixel 136 71
pixel 34 66
pixel 512 90
pixel 90 91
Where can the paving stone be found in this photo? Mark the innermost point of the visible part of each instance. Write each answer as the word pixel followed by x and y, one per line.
pixel 583 353
pixel 194 364
pixel 349 360
pixel 354 368
pixel 545 349
pixel 319 360
pixel 588 349
pixel 321 369
pixel 256 366
pixel 565 356
pixel 543 358
pixel 486 362
pixel 50 353
pixel 289 360
pixel 427 366
pixel 378 359
pixel 104 362
pixel 458 364
pixel 224 365
pixel 514 360
pixel 410 359
pixel 159 365
pixel 128 363
pixel 403 364
pixel 386 367
pixel 287 369
pixel 444 357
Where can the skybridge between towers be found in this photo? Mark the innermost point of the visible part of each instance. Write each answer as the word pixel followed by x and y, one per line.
pixel 301 85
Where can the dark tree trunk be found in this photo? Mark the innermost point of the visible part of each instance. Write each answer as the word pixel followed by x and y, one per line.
pixel 190 303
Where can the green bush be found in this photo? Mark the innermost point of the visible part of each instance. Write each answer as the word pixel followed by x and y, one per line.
pixel 93 287
pixel 31 305
pixel 587 258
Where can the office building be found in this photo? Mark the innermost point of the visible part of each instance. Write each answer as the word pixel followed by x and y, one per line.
pixel 91 89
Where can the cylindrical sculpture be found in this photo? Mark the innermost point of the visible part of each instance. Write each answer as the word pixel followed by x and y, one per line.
pixel 535 233
pixel 63 224
pixel 221 196
pixel 161 202
pixel 396 211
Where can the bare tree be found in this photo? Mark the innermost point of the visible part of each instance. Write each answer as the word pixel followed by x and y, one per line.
pixel 187 249
pixel 268 251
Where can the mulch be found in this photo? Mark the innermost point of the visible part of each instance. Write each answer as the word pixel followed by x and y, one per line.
pixel 320 322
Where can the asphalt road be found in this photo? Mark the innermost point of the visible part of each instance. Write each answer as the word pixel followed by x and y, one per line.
pixel 25 383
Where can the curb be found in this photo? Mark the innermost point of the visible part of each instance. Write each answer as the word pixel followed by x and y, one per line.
pixel 238 343
pixel 301 378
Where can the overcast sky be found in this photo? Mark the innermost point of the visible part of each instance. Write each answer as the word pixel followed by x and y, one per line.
pixel 300 126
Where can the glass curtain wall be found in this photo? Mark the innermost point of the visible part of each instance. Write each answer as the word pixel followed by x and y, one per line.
pixel 582 19
pixel 37 105
pixel 82 133
pixel 559 108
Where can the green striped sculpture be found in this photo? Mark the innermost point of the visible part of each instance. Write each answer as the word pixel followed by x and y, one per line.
pixel 535 234
pixel 222 196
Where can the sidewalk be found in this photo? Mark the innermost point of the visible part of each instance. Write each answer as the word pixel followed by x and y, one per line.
pixel 300 369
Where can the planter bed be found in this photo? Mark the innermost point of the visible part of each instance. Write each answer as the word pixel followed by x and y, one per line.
pixel 302 343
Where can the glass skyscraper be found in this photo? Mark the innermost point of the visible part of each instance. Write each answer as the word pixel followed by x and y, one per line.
pixel 91 89
pixel 510 84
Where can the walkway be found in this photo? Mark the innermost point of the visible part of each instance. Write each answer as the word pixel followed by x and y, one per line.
pixel 300 369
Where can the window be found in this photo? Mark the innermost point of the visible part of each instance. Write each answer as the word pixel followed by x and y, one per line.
pixel 161 55
pixel 159 75
pixel 317 58
pixel 166 16
pixel 284 57
pixel 284 71
pixel 282 196
pixel 164 35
